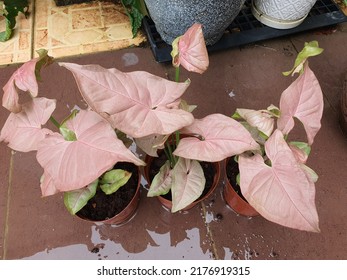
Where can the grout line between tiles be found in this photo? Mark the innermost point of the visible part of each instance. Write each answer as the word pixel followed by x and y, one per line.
pixel 32 45
pixel 209 232
pixel 6 227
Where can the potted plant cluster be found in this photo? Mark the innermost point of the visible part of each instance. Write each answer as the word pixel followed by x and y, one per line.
pixel 150 110
pixel 85 160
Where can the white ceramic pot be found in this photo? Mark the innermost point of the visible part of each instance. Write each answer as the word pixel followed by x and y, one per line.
pixel 281 14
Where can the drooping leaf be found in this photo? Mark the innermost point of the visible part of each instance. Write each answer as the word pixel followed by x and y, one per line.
pixel 137 103
pixel 112 180
pixel 303 99
pixel 162 182
pixel 75 164
pixel 24 78
pixel 281 192
pixel 310 49
pixel 23 131
pixel 188 183
pixel 75 200
pixel 219 137
pixel 189 50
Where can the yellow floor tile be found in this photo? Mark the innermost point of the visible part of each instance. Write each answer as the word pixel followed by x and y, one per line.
pixel 66 31
pixel 82 28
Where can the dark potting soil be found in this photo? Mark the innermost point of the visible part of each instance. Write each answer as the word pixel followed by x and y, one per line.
pixel 102 207
pixel 232 170
pixel 208 168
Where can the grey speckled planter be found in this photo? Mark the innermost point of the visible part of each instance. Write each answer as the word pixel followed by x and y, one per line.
pixel 173 17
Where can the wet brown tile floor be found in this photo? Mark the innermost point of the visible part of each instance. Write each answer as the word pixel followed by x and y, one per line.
pixel 32 227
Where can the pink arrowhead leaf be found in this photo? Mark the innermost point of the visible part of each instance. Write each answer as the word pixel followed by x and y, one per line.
pixel 220 137
pixel 188 183
pixel 303 99
pixel 75 164
pixel 24 79
pixel 23 131
pixel 190 50
pixel 137 103
pixel 281 193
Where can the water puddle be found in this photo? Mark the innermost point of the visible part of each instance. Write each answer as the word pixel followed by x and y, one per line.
pixel 156 246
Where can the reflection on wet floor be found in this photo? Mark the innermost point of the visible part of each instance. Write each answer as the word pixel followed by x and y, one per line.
pixel 105 248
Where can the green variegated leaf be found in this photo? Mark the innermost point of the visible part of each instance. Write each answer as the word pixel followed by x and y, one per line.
pixel 112 180
pixel 311 49
pixel 162 182
pixel 75 200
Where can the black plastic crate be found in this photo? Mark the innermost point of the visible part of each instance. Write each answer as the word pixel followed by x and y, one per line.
pixel 246 29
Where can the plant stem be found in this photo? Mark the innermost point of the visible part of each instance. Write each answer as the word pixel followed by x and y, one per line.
pixel 177 76
pixel 171 157
pixel 177 138
pixel 54 121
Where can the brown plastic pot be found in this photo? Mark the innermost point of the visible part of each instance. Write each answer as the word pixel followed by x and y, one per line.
pixel 168 203
pixel 234 200
pixel 127 213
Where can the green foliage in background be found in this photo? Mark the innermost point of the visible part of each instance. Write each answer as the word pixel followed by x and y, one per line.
pixel 10 10
pixel 135 10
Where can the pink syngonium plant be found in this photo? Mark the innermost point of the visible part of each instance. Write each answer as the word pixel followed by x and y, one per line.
pixel 86 148
pixel 278 184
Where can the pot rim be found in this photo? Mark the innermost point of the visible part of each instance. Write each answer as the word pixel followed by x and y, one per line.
pixel 234 200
